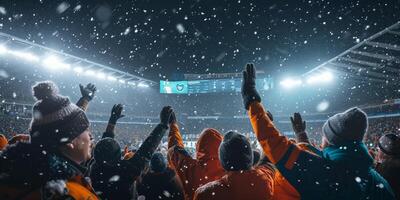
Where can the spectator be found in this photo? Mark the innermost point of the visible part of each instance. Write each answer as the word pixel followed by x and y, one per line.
pixel 241 180
pixel 112 177
pixel 49 167
pixel 160 182
pixel 3 142
pixel 389 161
pixel 205 168
pixel 345 169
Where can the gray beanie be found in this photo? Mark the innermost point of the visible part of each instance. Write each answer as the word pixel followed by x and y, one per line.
pixel 350 125
pixel 235 152
pixel 55 120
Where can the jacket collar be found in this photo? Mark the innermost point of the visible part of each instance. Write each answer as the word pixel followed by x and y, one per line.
pixel 351 154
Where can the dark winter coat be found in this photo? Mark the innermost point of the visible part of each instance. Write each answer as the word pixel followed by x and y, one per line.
pixel 161 185
pixel 115 181
pixel 28 171
pixel 342 172
pixel 390 170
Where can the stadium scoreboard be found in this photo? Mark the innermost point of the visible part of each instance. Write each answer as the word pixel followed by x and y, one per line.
pixel 209 86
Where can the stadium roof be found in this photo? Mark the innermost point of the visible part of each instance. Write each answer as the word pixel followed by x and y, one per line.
pixel 57 60
pixel 375 59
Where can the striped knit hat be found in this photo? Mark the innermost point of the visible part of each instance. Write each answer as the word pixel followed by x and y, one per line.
pixel 55 120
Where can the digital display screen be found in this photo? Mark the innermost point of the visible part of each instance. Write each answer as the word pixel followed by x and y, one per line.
pixel 174 87
pixel 210 86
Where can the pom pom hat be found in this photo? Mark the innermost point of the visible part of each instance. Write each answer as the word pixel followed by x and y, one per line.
pixel 55 120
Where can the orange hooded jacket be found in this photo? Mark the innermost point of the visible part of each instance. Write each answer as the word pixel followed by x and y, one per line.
pixel 257 183
pixel 194 173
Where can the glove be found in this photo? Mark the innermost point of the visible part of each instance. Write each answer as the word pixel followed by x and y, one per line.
pixel 165 115
pixel 172 119
pixel 249 92
pixel 297 123
pixel 299 128
pixel 88 91
pixel 116 113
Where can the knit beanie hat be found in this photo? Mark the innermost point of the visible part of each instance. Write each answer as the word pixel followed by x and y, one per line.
pixel 3 142
pixel 55 120
pixel 235 152
pixel 390 144
pixel 107 150
pixel 158 163
pixel 350 125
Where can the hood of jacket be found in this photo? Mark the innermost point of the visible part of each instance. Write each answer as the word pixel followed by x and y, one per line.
pixel 207 145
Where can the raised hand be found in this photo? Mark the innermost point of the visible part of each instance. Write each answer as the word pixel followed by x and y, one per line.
pixel 88 91
pixel 297 123
pixel 172 119
pixel 249 91
pixel 116 113
pixel 299 128
pixel 165 115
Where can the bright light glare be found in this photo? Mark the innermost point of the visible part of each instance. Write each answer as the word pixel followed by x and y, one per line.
pixel 111 78
pixel 290 83
pixel 323 106
pixel 121 81
pixel 90 72
pixel 3 49
pixel 131 83
pixel 24 55
pixel 54 63
pixel 143 85
pixel 78 69
pixel 101 75
pixel 320 78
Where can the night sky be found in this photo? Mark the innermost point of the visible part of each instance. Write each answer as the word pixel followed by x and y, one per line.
pixel 159 39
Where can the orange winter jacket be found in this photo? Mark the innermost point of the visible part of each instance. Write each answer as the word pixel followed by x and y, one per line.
pixel 257 183
pixel 77 188
pixel 194 173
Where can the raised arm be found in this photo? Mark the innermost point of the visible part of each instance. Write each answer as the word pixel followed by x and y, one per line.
pixel 174 136
pixel 273 143
pixel 116 114
pixel 87 95
pixel 150 144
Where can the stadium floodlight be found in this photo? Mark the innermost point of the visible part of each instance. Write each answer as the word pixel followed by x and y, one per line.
pixel 143 85
pixel 78 70
pixel 131 83
pixel 24 55
pixel 55 63
pixel 101 75
pixel 291 82
pixel 111 78
pixel 3 49
pixel 90 73
pixel 320 78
